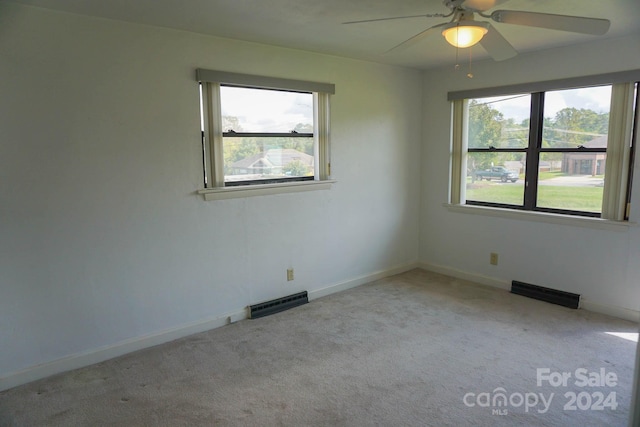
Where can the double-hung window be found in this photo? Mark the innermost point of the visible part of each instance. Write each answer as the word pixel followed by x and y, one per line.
pixel 564 148
pixel 262 133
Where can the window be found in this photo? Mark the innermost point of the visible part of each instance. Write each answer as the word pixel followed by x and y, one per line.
pixel 262 132
pixel 563 151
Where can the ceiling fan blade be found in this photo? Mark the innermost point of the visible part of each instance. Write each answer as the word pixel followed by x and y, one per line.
pixel 497 46
pixel 482 5
pixel 405 44
pixel 575 24
pixel 389 19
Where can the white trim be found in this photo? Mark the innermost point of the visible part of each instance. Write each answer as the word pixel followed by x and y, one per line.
pixel 343 286
pixel 458 161
pixel 610 310
pixel 251 80
pixel 618 151
pixel 464 275
pixel 568 83
pixel 322 134
pixel 576 221
pixel 585 304
pixel 620 125
pixel 223 193
pixel 101 354
pixel 213 134
pixel 214 144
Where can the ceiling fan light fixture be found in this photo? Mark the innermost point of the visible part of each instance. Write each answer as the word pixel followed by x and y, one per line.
pixel 465 33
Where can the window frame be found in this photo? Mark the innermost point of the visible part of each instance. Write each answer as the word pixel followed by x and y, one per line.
pixel 212 135
pixel 622 126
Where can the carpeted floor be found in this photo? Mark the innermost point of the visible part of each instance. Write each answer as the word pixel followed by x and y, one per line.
pixel 416 349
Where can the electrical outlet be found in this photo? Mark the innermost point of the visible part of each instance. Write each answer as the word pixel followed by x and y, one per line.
pixel 493 259
pixel 289 274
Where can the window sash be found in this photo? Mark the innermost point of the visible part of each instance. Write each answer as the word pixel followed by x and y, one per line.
pixel 615 192
pixel 266 135
pixel 267 181
pixel 213 134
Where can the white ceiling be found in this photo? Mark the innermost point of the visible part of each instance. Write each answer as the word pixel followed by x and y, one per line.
pixel 316 25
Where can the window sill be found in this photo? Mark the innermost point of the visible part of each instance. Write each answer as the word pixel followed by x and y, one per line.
pixel 576 221
pixel 264 189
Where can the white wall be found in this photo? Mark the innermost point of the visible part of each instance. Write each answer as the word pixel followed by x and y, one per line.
pixel 103 240
pixel 602 265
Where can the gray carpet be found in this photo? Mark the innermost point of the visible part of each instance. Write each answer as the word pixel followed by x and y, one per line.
pixel 400 351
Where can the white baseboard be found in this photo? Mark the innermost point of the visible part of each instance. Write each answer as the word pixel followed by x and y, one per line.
pixel 101 354
pixel 586 304
pixel 319 293
pixel 465 275
pixel 610 310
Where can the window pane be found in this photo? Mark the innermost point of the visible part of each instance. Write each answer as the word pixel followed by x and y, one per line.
pixel 496 177
pixel 573 118
pixel 571 181
pixel 267 158
pixel 576 117
pixel 500 122
pixel 265 111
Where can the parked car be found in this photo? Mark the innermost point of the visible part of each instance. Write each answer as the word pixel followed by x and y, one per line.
pixel 497 172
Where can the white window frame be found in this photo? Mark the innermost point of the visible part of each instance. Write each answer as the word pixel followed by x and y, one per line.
pixel 215 189
pixel 615 205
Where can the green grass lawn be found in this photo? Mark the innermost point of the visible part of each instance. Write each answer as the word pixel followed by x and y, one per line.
pixel 548 175
pixel 587 199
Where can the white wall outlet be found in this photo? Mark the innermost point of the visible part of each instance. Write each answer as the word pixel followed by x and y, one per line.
pixel 289 274
pixel 493 258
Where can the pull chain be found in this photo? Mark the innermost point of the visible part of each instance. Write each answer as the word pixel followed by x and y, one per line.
pixel 457 66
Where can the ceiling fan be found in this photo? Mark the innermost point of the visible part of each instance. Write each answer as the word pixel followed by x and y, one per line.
pixel 464 31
